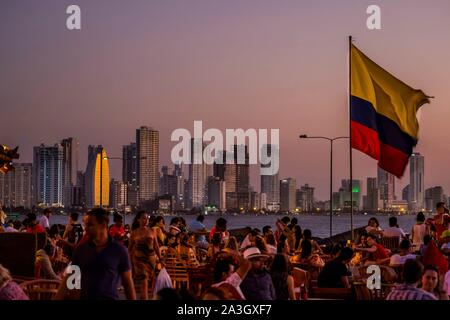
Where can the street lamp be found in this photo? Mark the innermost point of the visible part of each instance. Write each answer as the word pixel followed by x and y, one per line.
pixel 304 136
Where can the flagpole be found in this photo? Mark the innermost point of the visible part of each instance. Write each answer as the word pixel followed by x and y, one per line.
pixel 350 130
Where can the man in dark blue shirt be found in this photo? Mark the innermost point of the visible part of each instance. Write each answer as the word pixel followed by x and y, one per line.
pixel 102 262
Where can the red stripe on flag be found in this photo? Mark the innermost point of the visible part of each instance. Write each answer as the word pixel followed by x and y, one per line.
pixel 389 158
pixel 393 160
pixel 365 140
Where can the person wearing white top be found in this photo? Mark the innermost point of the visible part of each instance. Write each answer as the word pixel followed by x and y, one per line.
pixel 224 273
pixel 400 258
pixel 43 221
pixel 394 230
pixel 419 231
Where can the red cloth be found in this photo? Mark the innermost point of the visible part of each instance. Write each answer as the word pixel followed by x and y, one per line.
pixel 441 227
pixel 117 233
pixel 37 228
pixel 213 230
pixel 83 240
pixel 380 254
pixel 435 257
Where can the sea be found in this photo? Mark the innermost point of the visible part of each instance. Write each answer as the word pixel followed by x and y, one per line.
pixel 318 224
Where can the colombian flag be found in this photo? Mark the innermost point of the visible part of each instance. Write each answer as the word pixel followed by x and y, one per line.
pixel 383 114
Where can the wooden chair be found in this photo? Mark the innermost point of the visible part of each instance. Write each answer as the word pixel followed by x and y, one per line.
pixel 178 273
pixel 300 283
pixel 40 289
pixel 201 254
pixel 391 243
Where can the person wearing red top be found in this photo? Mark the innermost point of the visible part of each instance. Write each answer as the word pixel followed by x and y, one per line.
pixel 220 227
pixel 117 230
pixel 33 226
pixel 377 252
pixel 441 219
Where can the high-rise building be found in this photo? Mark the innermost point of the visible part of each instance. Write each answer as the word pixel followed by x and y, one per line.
pixel 97 177
pixel 372 203
pixel 236 176
pixel 433 196
pixel 179 197
pixel 129 164
pixel 405 193
pixel 198 175
pixel 70 167
pixel 167 182
pixel 270 184
pixel 416 183
pixel 48 174
pixel 263 200
pixel 147 144
pixel 255 200
pixel 344 194
pixel 16 187
pixel 287 194
pixel 118 195
pixel 305 198
pixel 216 193
pixel 386 188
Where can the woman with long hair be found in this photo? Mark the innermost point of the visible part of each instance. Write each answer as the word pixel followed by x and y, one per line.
pixel 232 246
pixel 158 225
pixel 144 252
pixel 281 278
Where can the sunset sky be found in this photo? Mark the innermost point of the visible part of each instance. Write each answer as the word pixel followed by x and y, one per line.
pixel 275 64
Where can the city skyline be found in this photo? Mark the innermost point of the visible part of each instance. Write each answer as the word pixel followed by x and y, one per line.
pixel 59 157
pixel 232 65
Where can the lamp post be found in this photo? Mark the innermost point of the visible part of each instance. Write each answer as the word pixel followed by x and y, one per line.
pixel 304 136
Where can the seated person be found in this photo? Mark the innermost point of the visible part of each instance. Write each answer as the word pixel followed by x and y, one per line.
pixel 215 246
pixel 404 254
pixel 271 244
pixel 232 246
pixel 250 238
pixel 258 284
pixel 44 262
pixel 377 253
pixel 335 273
pixel 307 257
pixel 426 241
pixel 225 273
pixel 445 248
pixel 394 230
pixel 307 235
pixel 373 227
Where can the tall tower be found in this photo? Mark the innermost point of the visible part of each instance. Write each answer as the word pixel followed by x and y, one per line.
pixel 198 175
pixel 48 174
pixel 129 164
pixel 386 188
pixel 97 178
pixel 416 182
pixel 147 144
pixel 70 167
pixel 270 184
pixel 16 186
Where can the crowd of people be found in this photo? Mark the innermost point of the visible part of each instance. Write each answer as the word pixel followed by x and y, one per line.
pixel 122 261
